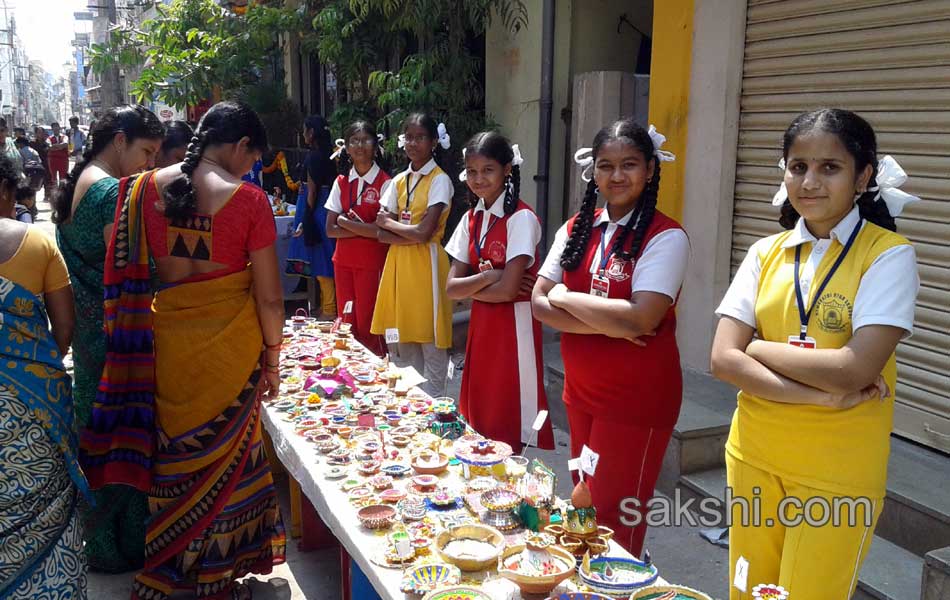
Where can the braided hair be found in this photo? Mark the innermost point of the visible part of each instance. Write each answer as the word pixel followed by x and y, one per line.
pixel 344 162
pixel 857 136
pixel 425 121
pixel 495 146
pixel 630 133
pixel 134 121
pixel 224 123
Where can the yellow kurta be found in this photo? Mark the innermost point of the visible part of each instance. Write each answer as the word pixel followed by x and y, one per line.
pixel 412 294
pixel 842 451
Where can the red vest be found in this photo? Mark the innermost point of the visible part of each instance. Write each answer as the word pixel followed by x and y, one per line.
pixel 495 245
pixel 640 385
pixel 361 252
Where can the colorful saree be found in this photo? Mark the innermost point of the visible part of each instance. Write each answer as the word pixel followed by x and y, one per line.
pixel 184 419
pixel 41 545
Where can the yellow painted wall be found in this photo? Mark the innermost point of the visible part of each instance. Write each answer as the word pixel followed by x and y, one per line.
pixel 669 93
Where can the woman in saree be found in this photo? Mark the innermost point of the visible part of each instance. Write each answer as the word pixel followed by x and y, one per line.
pixel 126 141
pixel 40 532
pixel 186 377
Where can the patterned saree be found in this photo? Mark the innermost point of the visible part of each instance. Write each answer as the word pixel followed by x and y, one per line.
pixel 41 546
pixel 178 414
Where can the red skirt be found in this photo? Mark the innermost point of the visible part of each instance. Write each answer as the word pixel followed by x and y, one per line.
pixel 503 381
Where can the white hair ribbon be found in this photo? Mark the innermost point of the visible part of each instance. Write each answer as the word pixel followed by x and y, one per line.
pixel 463 175
pixel 340 144
pixel 401 140
pixel 444 140
pixel 517 160
pixel 782 194
pixel 584 157
pixel 658 140
pixel 890 176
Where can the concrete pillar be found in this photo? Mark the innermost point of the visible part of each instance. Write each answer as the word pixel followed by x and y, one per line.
pixel 709 167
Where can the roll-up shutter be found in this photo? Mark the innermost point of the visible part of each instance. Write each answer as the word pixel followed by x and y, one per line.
pixel 888 60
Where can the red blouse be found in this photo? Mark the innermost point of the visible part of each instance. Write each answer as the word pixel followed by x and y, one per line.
pixel 244 224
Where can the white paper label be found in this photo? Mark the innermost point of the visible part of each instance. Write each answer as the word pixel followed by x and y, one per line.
pixel 573 464
pixel 539 420
pixel 466 471
pixel 392 336
pixel 589 460
pixel 741 580
pixel 451 370
pixel 348 307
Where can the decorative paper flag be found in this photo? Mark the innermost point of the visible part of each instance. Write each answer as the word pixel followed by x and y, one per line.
pixel 348 307
pixel 589 460
pixel 392 336
pixel 741 580
pixel 451 371
pixel 539 420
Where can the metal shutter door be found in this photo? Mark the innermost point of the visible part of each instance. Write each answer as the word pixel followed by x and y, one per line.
pixel 888 60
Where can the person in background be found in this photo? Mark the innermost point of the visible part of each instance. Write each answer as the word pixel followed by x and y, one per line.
pixel 25 203
pixel 41 146
pixel 126 142
pixel 178 135
pixel 18 132
pixel 58 155
pixel 8 148
pixel 27 154
pixel 77 139
pixel 311 254
pixel 41 541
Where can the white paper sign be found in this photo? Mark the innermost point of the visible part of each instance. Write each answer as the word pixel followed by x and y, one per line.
pixel 589 460
pixel 539 420
pixel 348 307
pixel 741 580
pixel 392 336
pixel 573 464
pixel 451 371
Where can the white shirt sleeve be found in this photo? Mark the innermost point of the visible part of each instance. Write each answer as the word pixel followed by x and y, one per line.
pixel 739 301
pixel 551 269
pixel 888 290
pixel 457 247
pixel 390 194
pixel 441 190
pixel 333 202
pixel 524 233
pixel 662 265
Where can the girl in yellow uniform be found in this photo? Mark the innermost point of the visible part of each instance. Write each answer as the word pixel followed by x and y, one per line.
pixel 412 304
pixel 808 332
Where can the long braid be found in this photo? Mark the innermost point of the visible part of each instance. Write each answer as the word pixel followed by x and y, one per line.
pixel 179 195
pixel 512 190
pixel 646 208
pixel 580 234
pixel 63 195
pixel 344 162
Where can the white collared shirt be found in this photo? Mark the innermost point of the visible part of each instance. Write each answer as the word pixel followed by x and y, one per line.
pixel 523 235
pixel 334 202
pixel 440 192
pixel 661 267
pixel 886 294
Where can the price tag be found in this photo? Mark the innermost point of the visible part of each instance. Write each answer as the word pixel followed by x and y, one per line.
pixel 451 370
pixel 741 580
pixel 539 420
pixel 392 335
pixel 348 307
pixel 574 464
pixel 589 460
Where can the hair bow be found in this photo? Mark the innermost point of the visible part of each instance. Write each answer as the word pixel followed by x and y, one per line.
pixel 463 175
pixel 340 144
pixel 380 139
pixel 584 157
pixel 401 140
pixel 890 177
pixel 658 140
pixel 444 140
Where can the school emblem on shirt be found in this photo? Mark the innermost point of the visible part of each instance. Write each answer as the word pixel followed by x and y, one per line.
pixel 834 313
pixel 617 269
pixel 497 251
pixel 371 196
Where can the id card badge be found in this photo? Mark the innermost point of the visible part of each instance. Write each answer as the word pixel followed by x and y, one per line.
pixel 485 265
pixel 405 217
pixel 808 342
pixel 351 214
pixel 600 285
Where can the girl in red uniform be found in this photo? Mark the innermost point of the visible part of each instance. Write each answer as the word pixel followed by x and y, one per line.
pixel 351 207
pixel 495 262
pixel 610 282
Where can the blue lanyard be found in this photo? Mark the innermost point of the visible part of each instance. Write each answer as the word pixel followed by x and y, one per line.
pixel 478 243
pixel 604 255
pixel 803 315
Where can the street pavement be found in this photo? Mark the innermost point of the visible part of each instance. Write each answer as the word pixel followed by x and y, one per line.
pixel 679 553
